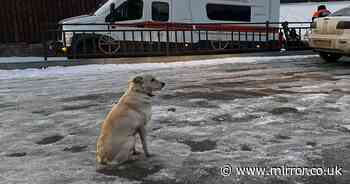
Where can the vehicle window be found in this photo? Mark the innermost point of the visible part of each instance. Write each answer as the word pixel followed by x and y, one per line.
pixel 229 12
pixel 103 8
pixel 129 10
pixel 160 11
pixel 342 12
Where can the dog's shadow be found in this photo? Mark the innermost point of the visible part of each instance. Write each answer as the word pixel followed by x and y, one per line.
pixel 134 170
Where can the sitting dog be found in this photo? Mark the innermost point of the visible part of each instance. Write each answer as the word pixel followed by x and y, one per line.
pixel 127 118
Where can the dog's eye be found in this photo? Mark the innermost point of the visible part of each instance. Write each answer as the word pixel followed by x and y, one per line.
pixel 152 80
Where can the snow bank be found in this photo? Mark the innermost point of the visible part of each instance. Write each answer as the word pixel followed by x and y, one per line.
pixel 96 69
pixel 29 59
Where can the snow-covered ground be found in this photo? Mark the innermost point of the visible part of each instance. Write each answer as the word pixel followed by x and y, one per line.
pixel 29 59
pixel 76 71
pixel 251 111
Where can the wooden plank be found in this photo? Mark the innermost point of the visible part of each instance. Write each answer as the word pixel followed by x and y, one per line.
pixel 71 8
pixel 14 20
pixel 9 27
pixel 23 20
pixel 93 6
pixel 34 13
pixel 3 24
pixel 62 9
pixel 52 9
pixel 31 25
pixel 39 17
pixel 58 12
pixel 46 14
pixel 82 6
pixel 63 12
pixel 49 4
pixel 43 18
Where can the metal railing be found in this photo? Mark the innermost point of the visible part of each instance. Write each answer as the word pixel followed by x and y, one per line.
pixel 125 40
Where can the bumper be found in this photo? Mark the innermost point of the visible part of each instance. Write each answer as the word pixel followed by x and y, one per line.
pixel 330 43
pixel 57 47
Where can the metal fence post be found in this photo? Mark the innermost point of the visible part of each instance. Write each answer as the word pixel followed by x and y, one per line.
pixel 167 40
pixel 267 32
pixel 44 33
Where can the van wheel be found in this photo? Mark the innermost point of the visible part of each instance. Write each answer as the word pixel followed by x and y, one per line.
pixel 108 45
pixel 82 46
pixel 330 57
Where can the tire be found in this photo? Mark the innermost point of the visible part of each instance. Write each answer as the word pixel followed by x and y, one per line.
pixel 108 46
pixel 330 57
pixel 78 48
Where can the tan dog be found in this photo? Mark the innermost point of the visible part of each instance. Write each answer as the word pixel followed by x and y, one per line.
pixel 127 118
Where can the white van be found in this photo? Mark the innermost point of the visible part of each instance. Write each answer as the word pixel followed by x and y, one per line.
pixel 211 15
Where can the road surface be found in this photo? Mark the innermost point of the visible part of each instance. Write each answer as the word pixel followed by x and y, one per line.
pixel 247 112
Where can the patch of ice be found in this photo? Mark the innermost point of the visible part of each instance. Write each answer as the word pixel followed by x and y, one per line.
pixel 312 100
pixel 347 127
pixel 183 113
pixel 267 120
pixel 171 149
pixel 192 130
pixel 163 174
pixel 345 100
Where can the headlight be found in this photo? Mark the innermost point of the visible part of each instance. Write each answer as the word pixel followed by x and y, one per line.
pixel 68 38
pixel 343 25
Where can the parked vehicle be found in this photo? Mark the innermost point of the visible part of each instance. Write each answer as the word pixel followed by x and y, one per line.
pixel 117 20
pixel 330 36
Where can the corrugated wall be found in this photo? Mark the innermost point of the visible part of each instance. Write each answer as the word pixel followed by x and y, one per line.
pixel 23 20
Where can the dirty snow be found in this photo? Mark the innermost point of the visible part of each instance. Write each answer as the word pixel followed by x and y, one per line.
pixel 267 111
pixel 110 68
pixel 251 111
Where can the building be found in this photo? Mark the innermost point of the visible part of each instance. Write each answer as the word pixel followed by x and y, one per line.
pixel 23 21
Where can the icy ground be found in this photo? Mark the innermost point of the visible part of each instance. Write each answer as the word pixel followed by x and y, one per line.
pixel 251 111
pixel 29 59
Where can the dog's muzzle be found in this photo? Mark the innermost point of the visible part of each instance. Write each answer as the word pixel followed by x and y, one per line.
pixel 163 84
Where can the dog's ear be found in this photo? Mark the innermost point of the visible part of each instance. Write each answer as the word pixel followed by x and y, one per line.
pixel 138 80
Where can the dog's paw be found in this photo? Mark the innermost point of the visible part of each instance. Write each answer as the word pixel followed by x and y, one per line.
pixel 136 153
pixel 134 157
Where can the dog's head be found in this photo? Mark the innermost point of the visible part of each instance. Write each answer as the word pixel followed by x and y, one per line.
pixel 146 84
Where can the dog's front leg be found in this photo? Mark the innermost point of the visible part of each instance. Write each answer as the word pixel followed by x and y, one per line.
pixel 142 132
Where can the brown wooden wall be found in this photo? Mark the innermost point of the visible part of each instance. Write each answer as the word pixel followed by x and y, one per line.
pixel 23 20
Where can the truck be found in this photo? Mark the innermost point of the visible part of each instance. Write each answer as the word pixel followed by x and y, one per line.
pixel 125 22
